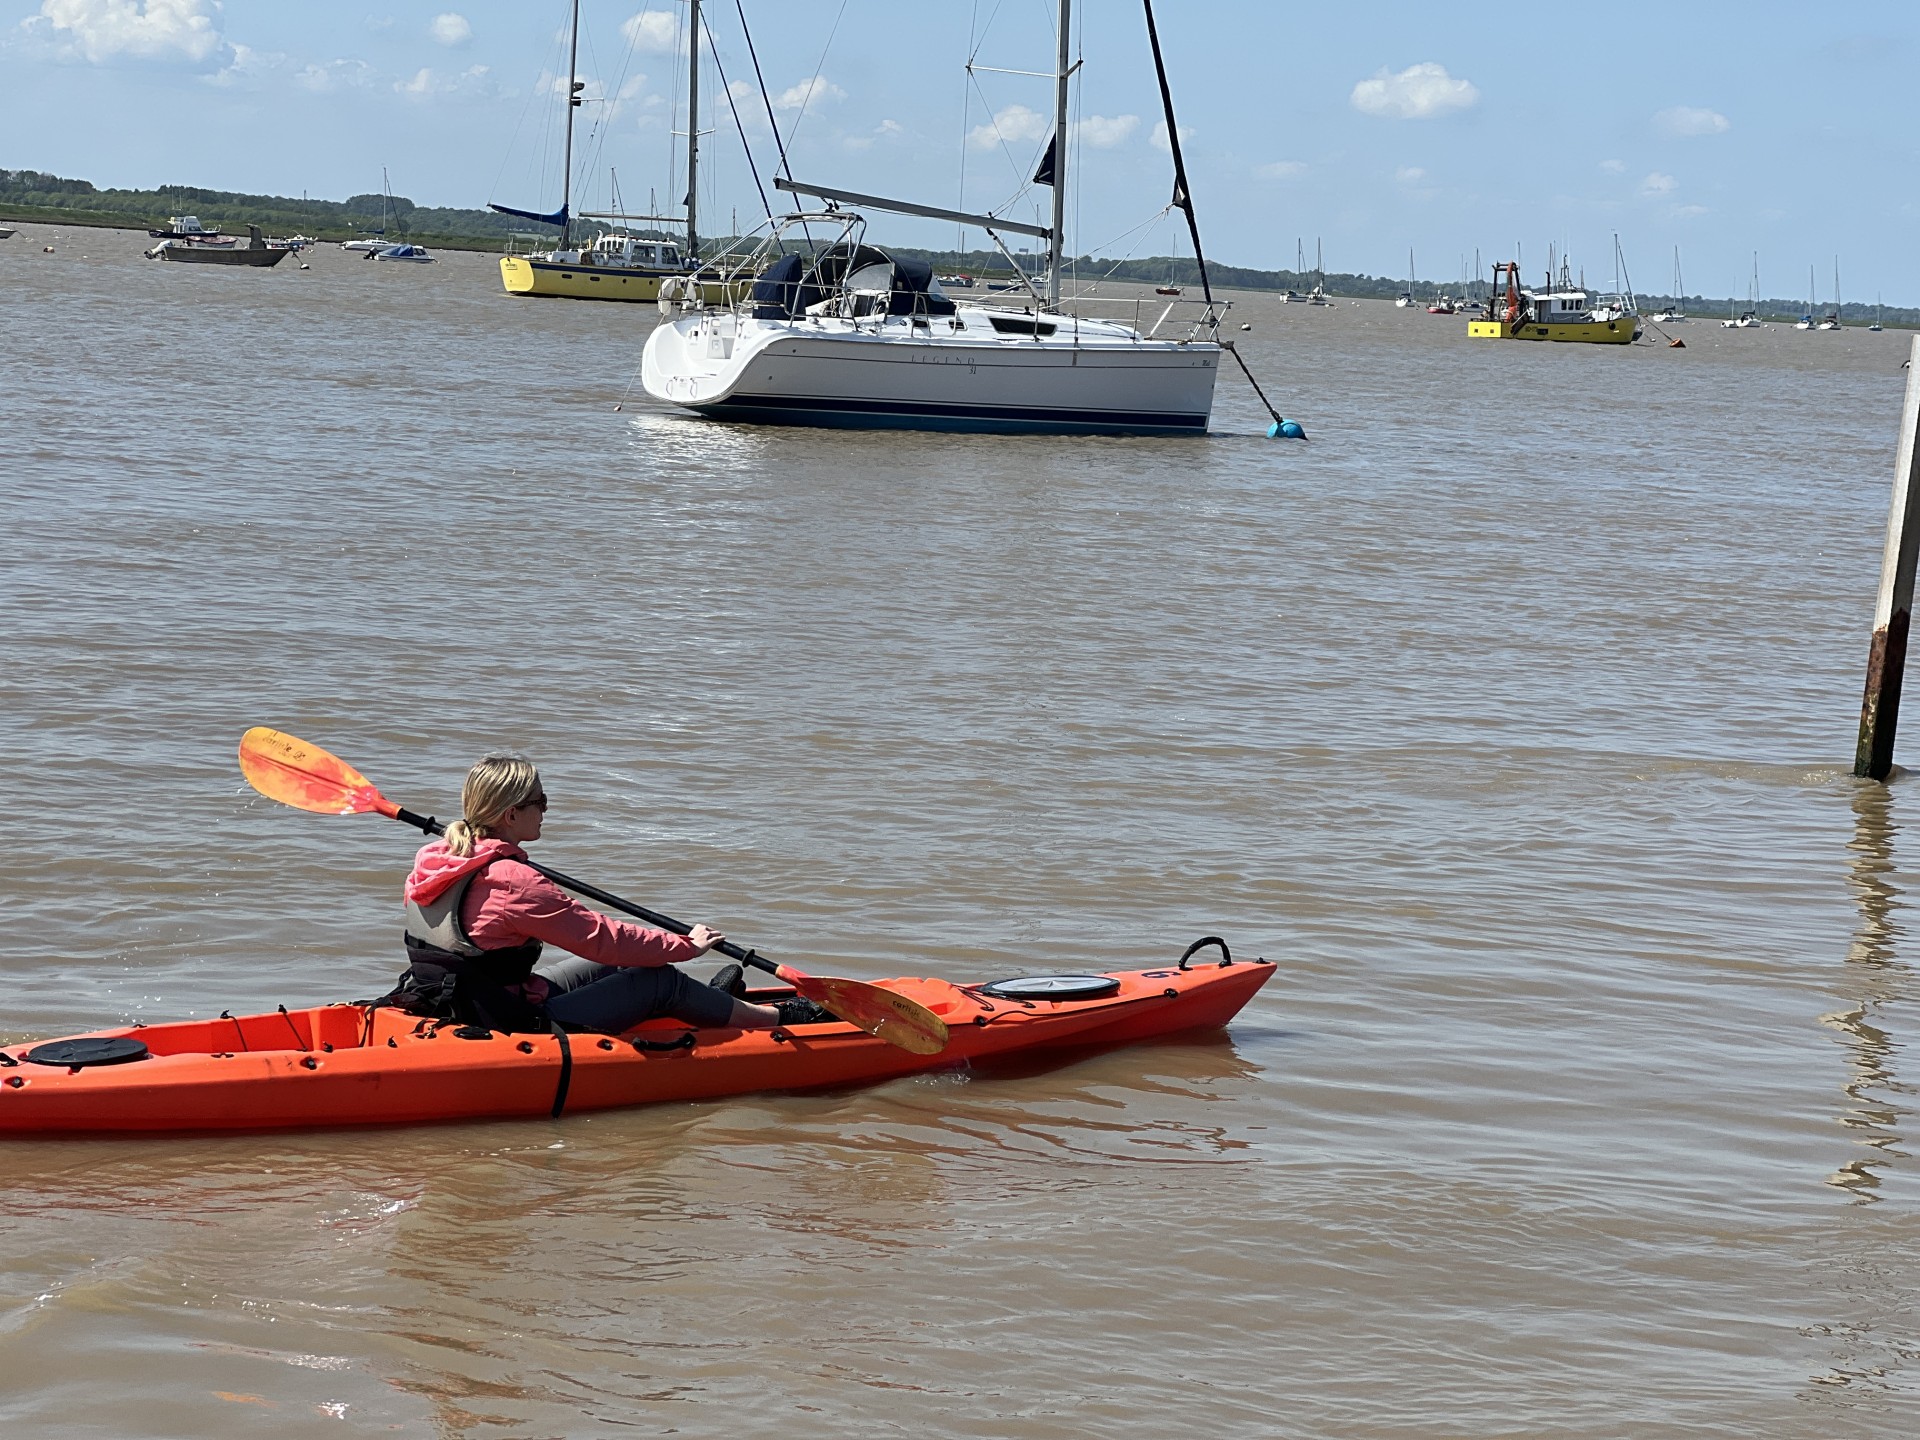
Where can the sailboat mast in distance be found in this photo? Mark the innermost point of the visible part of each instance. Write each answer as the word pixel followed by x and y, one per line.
pixel 693 125
pixel 574 87
pixel 1057 233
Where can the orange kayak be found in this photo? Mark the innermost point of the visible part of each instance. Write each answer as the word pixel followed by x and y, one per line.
pixel 361 1065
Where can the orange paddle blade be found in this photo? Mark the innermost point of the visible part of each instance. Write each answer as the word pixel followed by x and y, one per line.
pixel 286 768
pixel 875 1009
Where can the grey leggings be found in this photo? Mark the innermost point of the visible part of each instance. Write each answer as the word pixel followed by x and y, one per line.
pixel 613 998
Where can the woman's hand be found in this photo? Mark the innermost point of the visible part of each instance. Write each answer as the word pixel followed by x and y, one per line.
pixel 704 938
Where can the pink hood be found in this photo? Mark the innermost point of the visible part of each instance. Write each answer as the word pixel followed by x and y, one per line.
pixel 436 869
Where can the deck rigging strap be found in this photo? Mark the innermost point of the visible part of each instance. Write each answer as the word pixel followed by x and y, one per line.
pixel 566 1070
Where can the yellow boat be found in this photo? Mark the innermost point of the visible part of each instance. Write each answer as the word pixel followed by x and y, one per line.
pixel 1565 314
pixel 616 266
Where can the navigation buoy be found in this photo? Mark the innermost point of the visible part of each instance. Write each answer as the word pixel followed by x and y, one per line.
pixel 1286 430
pixel 1246 327
pixel 1676 344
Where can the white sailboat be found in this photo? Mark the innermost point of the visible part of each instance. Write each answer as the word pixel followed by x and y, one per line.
pixel 1676 312
pixel 1318 295
pixel 1405 301
pixel 1831 320
pixel 823 328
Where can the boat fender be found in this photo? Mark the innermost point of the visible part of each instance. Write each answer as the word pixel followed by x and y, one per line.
pixel 1226 955
pixel 1286 430
pixel 1051 987
pixel 93 1050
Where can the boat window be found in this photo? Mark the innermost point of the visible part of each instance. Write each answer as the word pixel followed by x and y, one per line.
pixel 1007 325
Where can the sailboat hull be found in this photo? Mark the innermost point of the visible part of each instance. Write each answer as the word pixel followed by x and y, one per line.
pixel 896 375
pixel 525 275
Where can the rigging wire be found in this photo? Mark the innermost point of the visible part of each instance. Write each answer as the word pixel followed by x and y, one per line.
pixel 713 48
pixel 813 85
pixel 765 98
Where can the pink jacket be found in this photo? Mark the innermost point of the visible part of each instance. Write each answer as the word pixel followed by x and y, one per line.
pixel 510 903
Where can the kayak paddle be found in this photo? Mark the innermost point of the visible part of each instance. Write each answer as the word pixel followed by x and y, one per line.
pixel 285 768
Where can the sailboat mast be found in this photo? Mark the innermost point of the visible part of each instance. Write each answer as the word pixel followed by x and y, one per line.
pixel 573 102
pixel 1057 235
pixel 693 126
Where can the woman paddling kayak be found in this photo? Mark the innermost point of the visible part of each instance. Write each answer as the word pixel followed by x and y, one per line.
pixel 478 918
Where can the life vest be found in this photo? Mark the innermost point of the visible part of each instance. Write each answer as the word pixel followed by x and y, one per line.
pixel 450 977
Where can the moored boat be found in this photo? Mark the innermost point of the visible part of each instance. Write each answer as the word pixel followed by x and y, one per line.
pixel 362 1064
pixel 1558 313
pixel 258 251
pixel 188 227
pixel 839 332
pixel 414 254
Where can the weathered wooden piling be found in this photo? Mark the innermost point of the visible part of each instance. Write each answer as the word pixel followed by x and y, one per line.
pixel 1893 612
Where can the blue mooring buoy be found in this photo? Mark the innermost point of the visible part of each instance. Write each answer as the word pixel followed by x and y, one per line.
pixel 1286 430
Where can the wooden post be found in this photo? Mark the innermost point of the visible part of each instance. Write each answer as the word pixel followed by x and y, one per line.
pixel 1893 612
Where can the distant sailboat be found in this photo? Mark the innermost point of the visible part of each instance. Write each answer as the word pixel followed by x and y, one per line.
pixel 1876 327
pixel 1406 296
pixel 1677 311
pixel 1832 320
pixel 1318 295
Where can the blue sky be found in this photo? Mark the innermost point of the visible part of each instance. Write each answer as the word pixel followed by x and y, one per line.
pixel 1723 129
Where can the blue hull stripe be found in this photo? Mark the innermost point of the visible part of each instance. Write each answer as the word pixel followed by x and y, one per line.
pixel 930 415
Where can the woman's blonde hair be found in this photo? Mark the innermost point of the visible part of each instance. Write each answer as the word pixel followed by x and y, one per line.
pixel 494 786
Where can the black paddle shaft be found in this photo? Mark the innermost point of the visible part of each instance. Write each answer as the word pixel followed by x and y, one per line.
pixel 607 898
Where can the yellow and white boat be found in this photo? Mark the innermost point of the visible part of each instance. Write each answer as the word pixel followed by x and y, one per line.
pixel 1564 314
pixel 615 265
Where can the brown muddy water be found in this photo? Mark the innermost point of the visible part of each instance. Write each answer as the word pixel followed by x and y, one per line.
pixel 1512 715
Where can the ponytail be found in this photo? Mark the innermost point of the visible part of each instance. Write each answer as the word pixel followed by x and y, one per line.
pixel 494 786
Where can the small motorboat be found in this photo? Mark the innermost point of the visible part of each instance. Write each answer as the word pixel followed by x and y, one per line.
pixel 371 1064
pixel 256 252
pixel 413 253
pixel 1166 289
pixel 188 227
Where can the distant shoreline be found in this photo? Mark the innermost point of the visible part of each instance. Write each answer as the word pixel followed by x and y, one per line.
pixel 1150 271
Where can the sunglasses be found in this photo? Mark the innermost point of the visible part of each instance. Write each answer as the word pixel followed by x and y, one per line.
pixel 538 802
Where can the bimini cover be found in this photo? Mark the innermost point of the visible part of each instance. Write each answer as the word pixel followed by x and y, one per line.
pixel 785 290
pixel 914 290
pixel 788 286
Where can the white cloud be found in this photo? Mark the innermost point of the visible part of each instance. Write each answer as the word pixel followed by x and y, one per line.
pixel 1614 167
pixel 1410 174
pixel 1419 92
pixel 1159 136
pixel 1691 120
pixel 1104 132
pixel 885 130
pixel 471 81
pixel 142 29
pixel 654 32
pixel 334 75
pixel 1658 184
pixel 1014 124
pixel 1689 212
pixel 450 29
pixel 799 97
pixel 1281 170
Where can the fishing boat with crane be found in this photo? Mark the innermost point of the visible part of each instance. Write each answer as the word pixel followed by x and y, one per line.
pixel 616 263
pixel 841 332
pixel 1559 311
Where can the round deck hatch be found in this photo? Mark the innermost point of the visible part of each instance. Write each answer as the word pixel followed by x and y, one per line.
pixel 1052 987
pixel 91 1050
